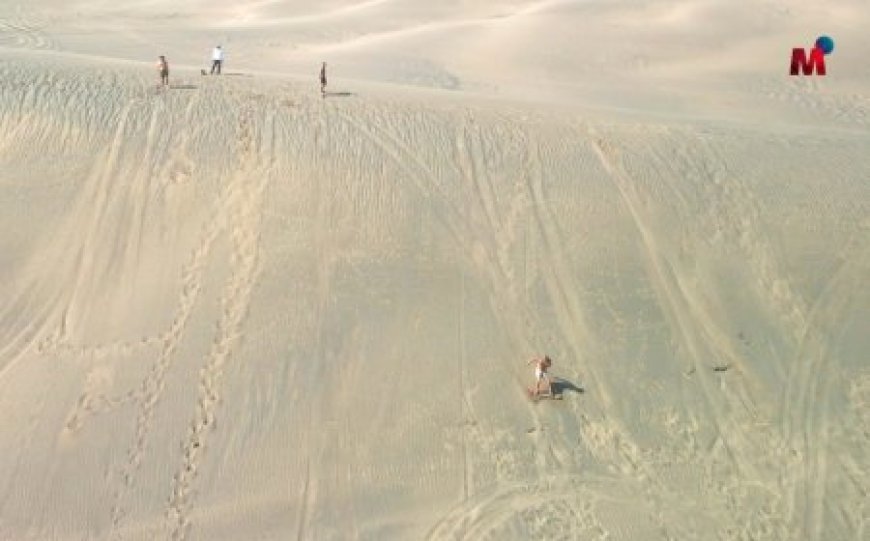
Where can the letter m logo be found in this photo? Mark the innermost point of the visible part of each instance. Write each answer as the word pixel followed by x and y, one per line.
pixel 800 63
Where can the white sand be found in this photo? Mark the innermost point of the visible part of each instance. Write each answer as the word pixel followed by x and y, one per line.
pixel 235 310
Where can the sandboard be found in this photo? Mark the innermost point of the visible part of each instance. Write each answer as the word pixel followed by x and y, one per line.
pixel 536 398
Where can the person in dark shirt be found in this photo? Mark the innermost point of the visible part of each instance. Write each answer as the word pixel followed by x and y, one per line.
pixel 163 71
pixel 323 79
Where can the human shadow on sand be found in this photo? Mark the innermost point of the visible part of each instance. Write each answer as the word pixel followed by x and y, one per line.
pixel 560 385
pixel 337 94
pixel 183 87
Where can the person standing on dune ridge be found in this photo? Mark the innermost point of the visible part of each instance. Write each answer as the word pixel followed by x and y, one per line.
pixel 323 79
pixel 163 72
pixel 217 60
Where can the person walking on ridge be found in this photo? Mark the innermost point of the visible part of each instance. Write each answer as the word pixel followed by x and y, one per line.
pixel 217 60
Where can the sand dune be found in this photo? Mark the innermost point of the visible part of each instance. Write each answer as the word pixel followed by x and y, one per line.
pixel 234 309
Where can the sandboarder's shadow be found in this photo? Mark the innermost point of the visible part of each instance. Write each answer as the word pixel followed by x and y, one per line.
pixel 337 94
pixel 560 385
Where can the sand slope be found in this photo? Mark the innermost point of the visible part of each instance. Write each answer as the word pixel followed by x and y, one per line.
pixel 236 310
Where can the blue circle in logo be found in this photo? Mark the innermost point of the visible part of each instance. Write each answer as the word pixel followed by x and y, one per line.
pixel 826 44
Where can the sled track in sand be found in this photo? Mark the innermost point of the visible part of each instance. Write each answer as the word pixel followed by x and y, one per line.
pixel 692 326
pixel 492 265
pixel 544 509
pixel 818 355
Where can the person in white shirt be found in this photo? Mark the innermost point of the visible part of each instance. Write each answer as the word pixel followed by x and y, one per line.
pixel 217 59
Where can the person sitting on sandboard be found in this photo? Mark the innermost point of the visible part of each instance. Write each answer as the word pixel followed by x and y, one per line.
pixel 541 377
